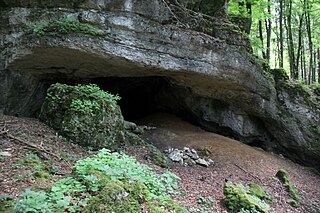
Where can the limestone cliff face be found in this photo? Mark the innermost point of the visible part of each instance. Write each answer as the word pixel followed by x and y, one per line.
pixel 211 79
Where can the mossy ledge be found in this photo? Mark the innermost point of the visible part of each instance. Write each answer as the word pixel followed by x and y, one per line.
pixel 63 26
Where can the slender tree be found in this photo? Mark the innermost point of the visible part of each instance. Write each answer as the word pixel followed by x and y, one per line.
pixel 268 30
pixel 281 34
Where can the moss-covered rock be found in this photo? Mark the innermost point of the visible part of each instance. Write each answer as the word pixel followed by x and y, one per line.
pixel 118 197
pixel 283 176
pixel 279 74
pixel 42 175
pixel 239 197
pixel 156 156
pixel 257 191
pixel 85 114
pixel 128 196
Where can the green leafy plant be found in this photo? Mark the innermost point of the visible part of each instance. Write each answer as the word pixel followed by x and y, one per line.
pixel 121 167
pixel 6 203
pixel 63 26
pixel 206 201
pixel 31 201
pixel 114 179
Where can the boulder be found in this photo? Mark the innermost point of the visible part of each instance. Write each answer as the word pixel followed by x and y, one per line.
pixel 84 114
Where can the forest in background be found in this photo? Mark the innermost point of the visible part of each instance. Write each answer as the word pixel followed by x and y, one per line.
pixel 285 33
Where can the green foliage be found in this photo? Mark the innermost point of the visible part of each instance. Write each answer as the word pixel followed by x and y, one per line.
pixel 122 185
pixel 6 203
pixel 316 88
pixel 279 74
pixel 67 185
pixel 89 97
pixel 34 161
pixel 240 198
pixel 283 176
pixel 303 88
pixel 206 201
pixel 64 195
pixel 122 167
pixel 63 26
pixel 31 201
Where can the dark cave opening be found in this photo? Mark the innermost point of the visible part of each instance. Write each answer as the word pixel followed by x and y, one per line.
pixel 139 95
pixel 144 96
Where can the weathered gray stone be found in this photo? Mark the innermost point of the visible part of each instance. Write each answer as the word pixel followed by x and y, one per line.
pixel 202 162
pixel 176 155
pixel 191 153
pixel 211 79
pixel 210 162
pixel 132 127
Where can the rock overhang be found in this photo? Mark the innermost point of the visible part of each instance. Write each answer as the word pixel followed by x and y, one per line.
pixel 137 43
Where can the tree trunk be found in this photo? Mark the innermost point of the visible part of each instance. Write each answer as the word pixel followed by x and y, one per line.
pixel 261 39
pixel 268 30
pixel 299 40
pixel 293 67
pixel 281 34
pixel 308 24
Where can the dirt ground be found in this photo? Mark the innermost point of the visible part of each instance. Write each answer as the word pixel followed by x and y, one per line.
pixel 22 139
pixel 235 162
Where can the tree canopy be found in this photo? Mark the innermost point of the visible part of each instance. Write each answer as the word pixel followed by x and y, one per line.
pixel 283 32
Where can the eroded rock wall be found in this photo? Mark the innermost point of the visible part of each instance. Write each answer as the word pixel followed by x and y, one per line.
pixel 213 79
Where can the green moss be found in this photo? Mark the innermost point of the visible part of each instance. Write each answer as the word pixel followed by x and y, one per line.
pixel 84 114
pixel 303 88
pixel 154 208
pixel 257 191
pixel 204 152
pixel 118 197
pixel 63 26
pixel 156 156
pixel 316 88
pixel 283 176
pixel 279 74
pixel 239 197
pixel 42 175
pixel 293 203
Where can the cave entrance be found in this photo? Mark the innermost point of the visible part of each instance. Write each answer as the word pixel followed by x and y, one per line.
pixel 139 95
